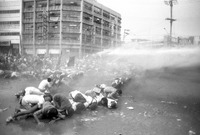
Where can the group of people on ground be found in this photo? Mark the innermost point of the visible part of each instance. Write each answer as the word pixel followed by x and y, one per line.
pixel 41 104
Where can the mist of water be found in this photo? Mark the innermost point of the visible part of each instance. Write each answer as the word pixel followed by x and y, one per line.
pixel 150 58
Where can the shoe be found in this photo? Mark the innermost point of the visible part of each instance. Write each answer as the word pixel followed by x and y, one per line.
pixel 17 95
pixel 9 119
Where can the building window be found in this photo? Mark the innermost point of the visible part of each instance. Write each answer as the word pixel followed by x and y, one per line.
pixel 41 5
pixel 9 22
pixel 28 17
pixel 9 25
pixel 113 18
pixel 9 34
pixel 54 27
pixel 106 15
pixel 87 17
pixel 105 23
pixel 71 4
pixel 38 27
pixel 87 29
pixel 97 10
pixel 106 33
pixel 87 6
pixel 72 27
pixel 97 41
pixel 97 20
pixel 71 16
pixel 98 31
pixel 71 38
pixel 9 11
pixel 28 6
pixel 119 20
pixel 54 16
pixel 54 3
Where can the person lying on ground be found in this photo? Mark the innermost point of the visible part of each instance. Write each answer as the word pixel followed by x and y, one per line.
pixel 109 91
pixel 118 84
pixel 88 101
pixel 66 107
pixel 29 112
pixel 48 111
pixel 109 103
pixel 28 101
pixel 63 104
pixel 95 93
pixel 29 91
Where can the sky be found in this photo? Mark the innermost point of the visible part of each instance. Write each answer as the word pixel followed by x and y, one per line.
pixel 146 18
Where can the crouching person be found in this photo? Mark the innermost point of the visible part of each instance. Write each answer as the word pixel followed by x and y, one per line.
pixel 45 85
pixel 63 104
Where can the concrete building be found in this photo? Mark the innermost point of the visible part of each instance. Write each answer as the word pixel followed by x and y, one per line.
pixel 72 27
pixel 10 29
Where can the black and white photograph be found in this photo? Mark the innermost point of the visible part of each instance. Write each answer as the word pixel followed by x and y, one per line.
pixel 99 67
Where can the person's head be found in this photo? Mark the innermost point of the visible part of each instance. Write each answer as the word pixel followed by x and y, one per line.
pixel 93 105
pixel 104 101
pixel 51 113
pixel 112 105
pixel 97 85
pixel 119 92
pixel 48 97
pixel 49 79
pixel 102 86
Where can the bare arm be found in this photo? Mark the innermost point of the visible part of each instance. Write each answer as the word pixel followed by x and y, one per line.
pixel 36 114
pixel 60 116
pixel 31 110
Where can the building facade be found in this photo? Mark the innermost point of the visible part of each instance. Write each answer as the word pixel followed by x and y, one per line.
pixel 76 27
pixel 10 28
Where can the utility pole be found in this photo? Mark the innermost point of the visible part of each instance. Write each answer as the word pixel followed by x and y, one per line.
pixel 171 20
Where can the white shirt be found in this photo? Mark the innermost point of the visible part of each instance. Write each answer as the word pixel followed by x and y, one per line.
pixel 33 90
pixel 43 85
pixel 73 104
pixel 33 99
pixel 99 97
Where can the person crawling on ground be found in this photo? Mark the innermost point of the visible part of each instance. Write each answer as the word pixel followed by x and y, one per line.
pixel 45 108
pixel 48 111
